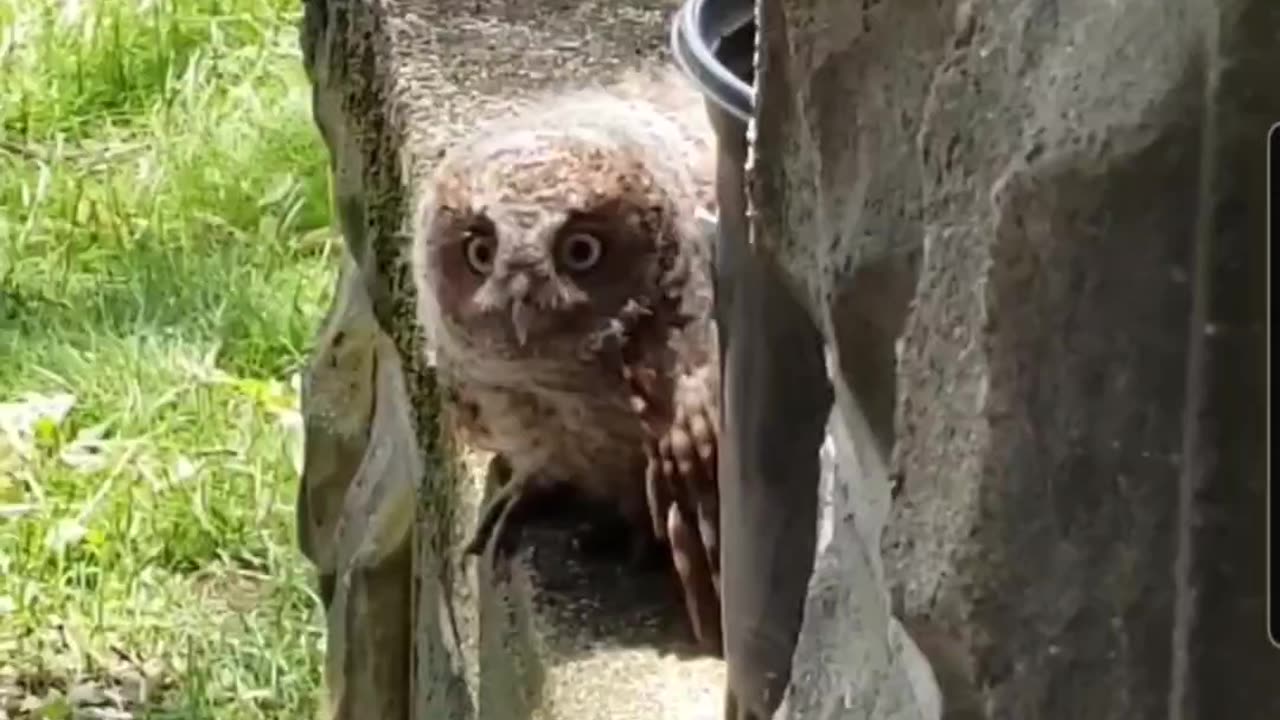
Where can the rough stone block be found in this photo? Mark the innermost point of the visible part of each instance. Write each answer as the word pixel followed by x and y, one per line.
pixel 1080 462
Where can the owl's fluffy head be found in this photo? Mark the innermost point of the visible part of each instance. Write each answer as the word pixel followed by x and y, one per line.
pixel 535 232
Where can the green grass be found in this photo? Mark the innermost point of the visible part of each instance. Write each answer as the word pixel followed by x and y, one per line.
pixel 164 260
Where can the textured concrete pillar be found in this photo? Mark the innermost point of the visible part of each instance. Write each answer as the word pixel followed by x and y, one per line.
pixel 1076 191
pixel 1226 667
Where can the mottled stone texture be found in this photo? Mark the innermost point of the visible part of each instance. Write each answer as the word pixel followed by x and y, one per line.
pixel 1076 190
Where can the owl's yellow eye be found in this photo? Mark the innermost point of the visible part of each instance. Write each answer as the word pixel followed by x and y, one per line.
pixel 580 252
pixel 480 251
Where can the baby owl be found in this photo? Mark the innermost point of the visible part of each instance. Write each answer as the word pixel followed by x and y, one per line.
pixel 564 285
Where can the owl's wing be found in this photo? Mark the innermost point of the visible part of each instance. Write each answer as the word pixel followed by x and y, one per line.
pixel 686 467
pixel 679 407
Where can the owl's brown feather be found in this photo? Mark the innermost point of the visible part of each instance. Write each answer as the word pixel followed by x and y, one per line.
pixel 675 391
pixel 555 252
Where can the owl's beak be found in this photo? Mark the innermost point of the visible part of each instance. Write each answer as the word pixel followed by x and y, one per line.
pixel 520 316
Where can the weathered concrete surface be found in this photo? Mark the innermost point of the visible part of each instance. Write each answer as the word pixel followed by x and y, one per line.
pixel 355 504
pixel 1079 413
pixel 414 630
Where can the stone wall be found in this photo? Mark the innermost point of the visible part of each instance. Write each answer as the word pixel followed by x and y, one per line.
pixel 1080 442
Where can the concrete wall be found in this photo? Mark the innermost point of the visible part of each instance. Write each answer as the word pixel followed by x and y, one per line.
pixel 1078 529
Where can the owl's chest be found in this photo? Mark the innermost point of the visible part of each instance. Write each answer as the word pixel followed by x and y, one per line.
pixel 568 421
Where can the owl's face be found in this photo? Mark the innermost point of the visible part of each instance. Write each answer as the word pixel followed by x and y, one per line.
pixel 529 241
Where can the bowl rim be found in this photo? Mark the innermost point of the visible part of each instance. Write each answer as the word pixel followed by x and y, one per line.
pixel 698 28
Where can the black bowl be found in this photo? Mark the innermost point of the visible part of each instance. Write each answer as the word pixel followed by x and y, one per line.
pixel 696 35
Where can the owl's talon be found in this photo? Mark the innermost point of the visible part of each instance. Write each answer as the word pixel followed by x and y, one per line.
pixel 496 513
pixel 486 525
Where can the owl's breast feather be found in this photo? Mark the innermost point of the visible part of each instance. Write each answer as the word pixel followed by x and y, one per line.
pixel 563 419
